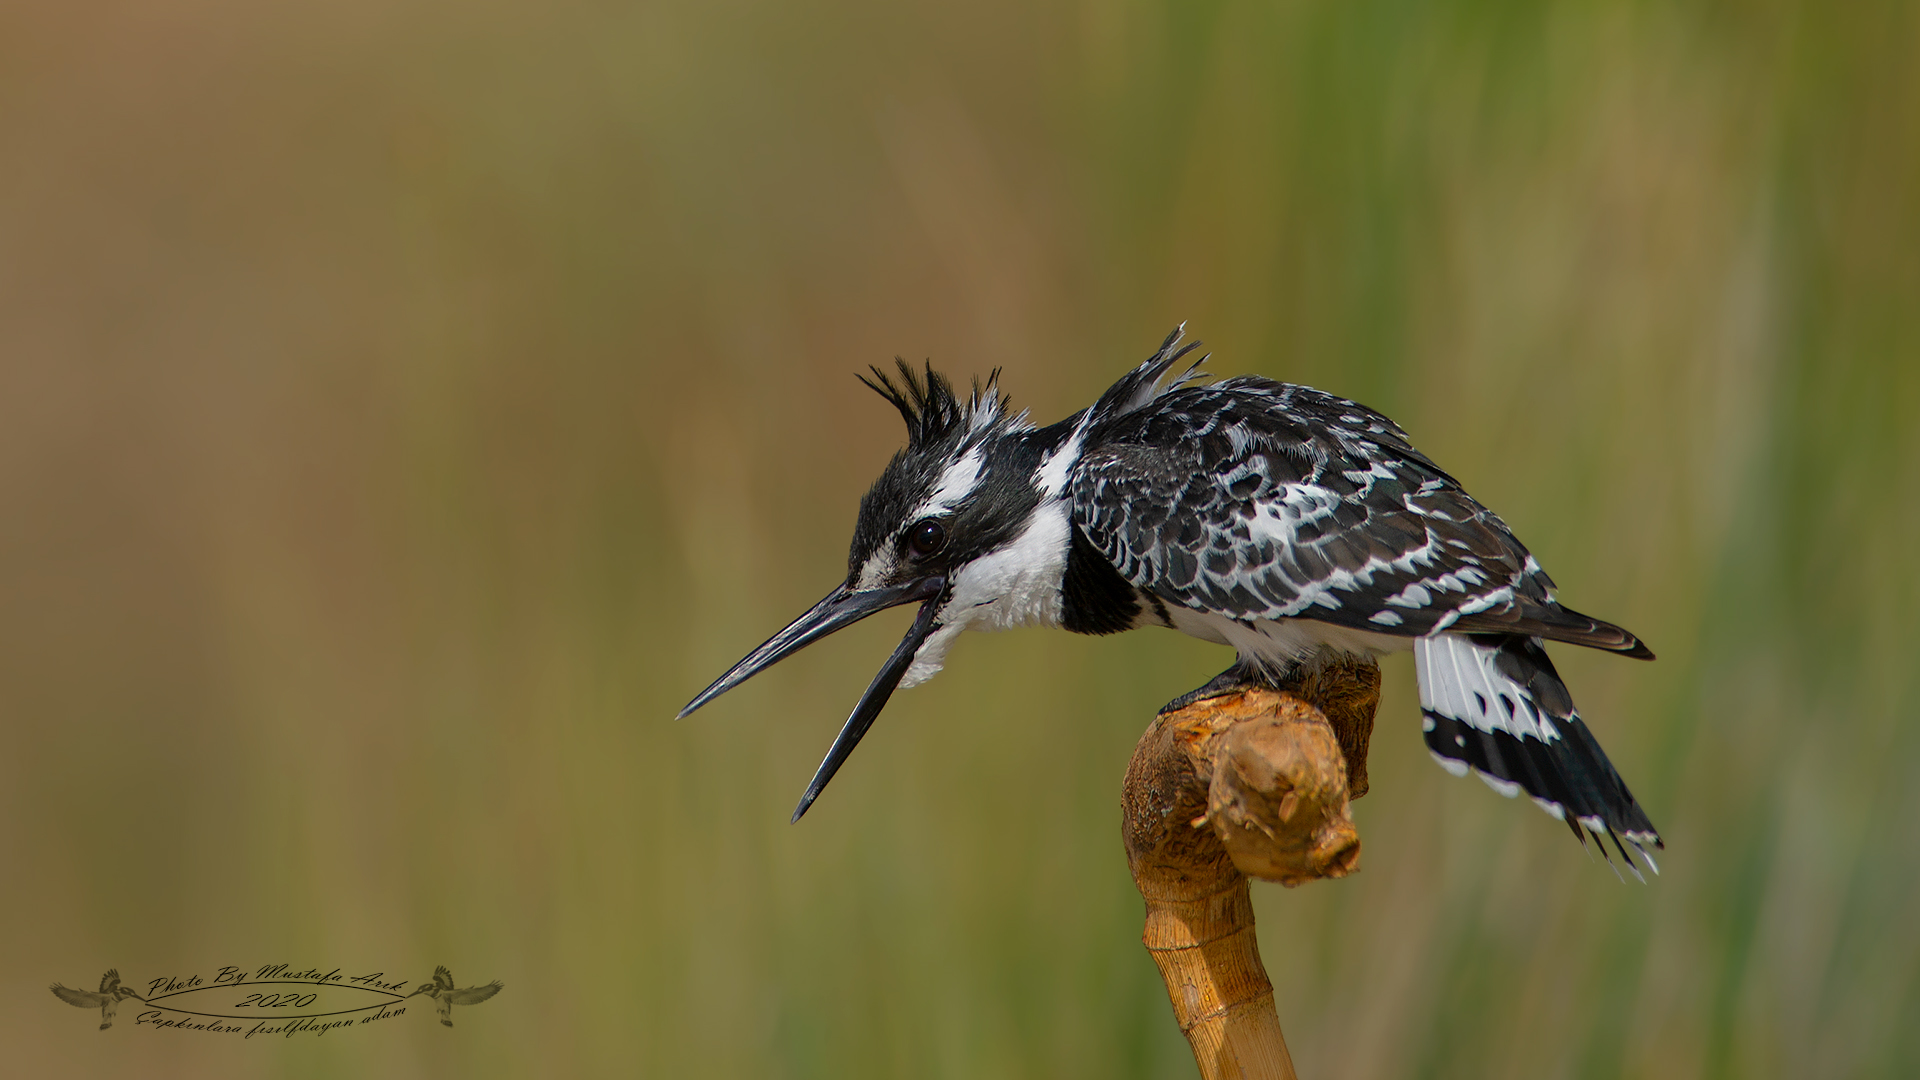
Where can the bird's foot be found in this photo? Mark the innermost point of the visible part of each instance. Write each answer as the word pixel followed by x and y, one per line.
pixel 1231 681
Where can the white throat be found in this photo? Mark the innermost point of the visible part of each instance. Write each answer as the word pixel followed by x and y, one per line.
pixel 1016 585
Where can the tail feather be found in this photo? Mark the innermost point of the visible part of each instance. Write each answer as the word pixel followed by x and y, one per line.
pixel 1493 704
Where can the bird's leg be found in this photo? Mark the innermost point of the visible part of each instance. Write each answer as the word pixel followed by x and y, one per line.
pixel 1234 680
pixel 1342 685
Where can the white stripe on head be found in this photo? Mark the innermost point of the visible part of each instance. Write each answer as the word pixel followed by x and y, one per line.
pixel 956 483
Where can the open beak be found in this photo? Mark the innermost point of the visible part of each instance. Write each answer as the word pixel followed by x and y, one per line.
pixel 841 608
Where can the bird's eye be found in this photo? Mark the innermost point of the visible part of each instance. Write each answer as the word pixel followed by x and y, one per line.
pixel 926 538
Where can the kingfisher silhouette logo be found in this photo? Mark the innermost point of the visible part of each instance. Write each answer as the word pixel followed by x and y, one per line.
pixel 273 999
pixel 107 1000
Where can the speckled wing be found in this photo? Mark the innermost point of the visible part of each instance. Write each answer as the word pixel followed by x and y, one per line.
pixel 1261 500
pixel 82 998
pixel 474 995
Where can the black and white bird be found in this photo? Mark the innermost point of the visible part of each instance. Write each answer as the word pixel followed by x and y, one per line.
pixel 108 1000
pixel 442 991
pixel 1288 523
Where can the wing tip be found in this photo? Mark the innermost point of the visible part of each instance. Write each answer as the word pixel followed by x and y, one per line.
pixel 1601 634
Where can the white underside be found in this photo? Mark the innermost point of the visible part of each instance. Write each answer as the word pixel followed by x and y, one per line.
pixel 1276 645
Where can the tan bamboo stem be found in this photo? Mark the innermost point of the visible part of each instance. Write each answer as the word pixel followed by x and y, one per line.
pixel 1248 783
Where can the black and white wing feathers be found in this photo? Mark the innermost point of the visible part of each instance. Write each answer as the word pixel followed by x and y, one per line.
pixel 1254 499
pixel 474 995
pixel 85 999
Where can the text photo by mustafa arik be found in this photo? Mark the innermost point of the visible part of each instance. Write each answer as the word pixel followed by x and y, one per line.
pixel 273 999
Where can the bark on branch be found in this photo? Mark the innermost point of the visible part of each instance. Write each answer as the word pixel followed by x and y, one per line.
pixel 1253 783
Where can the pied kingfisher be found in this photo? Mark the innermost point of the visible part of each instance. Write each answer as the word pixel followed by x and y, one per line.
pixel 442 992
pixel 107 1000
pixel 1288 523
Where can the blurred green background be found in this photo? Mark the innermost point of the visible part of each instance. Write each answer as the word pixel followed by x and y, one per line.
pixel 405 407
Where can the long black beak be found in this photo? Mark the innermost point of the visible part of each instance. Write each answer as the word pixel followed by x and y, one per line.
pixel 841 608
pixel 871 702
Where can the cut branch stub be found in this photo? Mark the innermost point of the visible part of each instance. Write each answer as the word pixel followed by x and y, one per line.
pixel 1263 768
pixel 1251 782
pixel 1278 800
pixel 1347 690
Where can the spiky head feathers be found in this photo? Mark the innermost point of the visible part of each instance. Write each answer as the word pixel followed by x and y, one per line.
pixel 951 456
pixel 928 404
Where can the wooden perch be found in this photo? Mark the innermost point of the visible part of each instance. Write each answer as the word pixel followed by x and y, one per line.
pixel 1255 783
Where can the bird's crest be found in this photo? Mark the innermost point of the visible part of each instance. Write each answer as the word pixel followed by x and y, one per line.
pixel 1148 381
pixel 931 409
